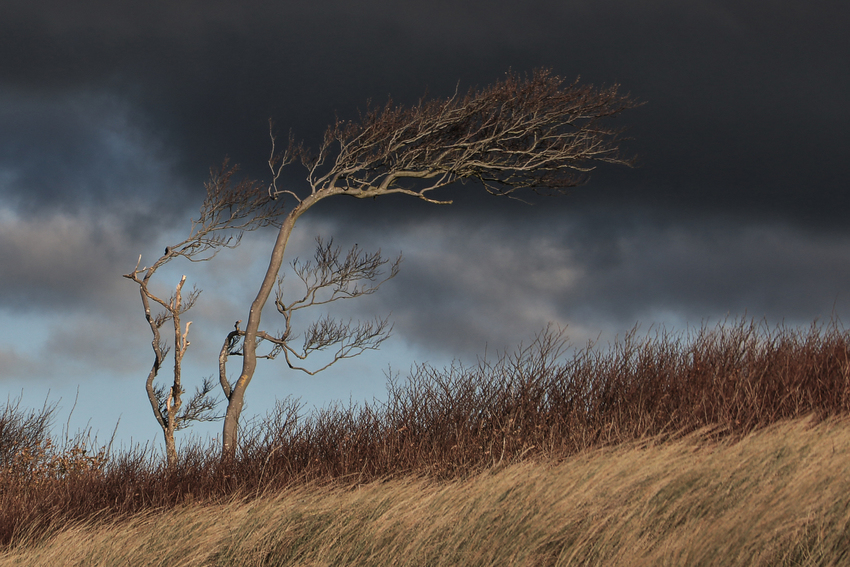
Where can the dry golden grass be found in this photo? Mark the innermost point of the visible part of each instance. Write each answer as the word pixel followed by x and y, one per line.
pixel 538 404
pixel 779 496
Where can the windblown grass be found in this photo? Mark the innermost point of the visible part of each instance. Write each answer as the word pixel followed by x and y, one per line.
pixel 449 426
pixel 780 496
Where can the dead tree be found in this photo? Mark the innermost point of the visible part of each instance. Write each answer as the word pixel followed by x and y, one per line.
pixel 227 212
pixel 536 133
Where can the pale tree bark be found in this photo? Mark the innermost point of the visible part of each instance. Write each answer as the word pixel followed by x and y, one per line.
pixel 236 398
pixel 537 133
pixel 355 275
pixel 167 403
pixel 228 210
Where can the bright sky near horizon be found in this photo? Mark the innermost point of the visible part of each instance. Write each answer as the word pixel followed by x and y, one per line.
pixel 111 115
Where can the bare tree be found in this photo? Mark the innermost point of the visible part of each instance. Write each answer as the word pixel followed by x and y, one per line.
pixel 227 212
pixel 537 133
pixel 325 279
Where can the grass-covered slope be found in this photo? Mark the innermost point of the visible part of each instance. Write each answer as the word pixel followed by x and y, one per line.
pixel 780 496
pixel 506 453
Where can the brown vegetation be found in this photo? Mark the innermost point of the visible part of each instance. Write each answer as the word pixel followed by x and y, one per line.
pixel 534 405
pixel 775 498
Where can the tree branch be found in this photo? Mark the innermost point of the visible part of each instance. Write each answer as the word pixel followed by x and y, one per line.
pixel 519 133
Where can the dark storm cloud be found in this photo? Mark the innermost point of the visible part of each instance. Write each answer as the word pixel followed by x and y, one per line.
pixel 492 283
pixel 59 262
pixel 747 100
pixel 708 268
pixel 121 108
pixel 77 151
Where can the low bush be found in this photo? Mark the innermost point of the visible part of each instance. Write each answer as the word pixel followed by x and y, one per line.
pixel 542 402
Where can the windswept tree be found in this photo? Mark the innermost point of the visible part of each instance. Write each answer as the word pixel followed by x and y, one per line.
pixel 228 210
pixel 538 133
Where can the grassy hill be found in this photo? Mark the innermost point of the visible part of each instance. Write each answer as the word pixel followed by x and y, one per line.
pixel 730 446
pixel 780 496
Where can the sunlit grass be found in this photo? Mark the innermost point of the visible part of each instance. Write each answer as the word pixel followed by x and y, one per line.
pixel 726 446
pixel 780 496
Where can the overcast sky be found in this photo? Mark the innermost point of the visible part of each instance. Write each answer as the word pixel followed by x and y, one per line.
pixel 112 113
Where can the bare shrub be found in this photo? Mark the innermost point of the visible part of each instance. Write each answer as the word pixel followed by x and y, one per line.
pixel 542 402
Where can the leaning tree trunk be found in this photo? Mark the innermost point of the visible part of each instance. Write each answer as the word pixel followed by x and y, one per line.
pixel 230 430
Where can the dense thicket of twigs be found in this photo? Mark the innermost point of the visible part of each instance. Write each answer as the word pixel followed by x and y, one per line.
pixel 540 403
pixel 539 132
